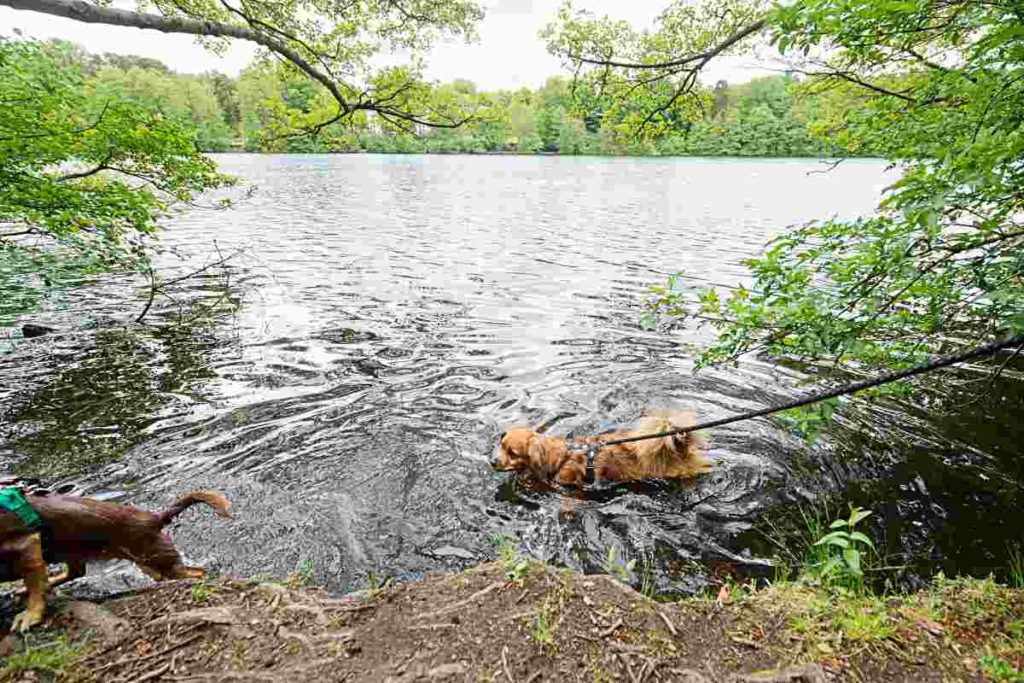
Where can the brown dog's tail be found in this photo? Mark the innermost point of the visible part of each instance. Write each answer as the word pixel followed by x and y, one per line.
pixel 215 500
pixel 655 421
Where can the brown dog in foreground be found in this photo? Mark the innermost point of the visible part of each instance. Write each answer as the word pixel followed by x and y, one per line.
pixel 74 530
pixel 548 459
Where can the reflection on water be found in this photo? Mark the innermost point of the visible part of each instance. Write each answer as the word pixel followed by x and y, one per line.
pixel 107 389
pixel 91 413
pixel 398 313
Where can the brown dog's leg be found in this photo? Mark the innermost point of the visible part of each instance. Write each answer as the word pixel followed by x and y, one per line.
pixel 162 562
pixel 182 572
pixel 75 570
pixel 30 566
pixel 175 571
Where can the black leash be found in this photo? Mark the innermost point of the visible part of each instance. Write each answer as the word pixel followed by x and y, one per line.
pixel 884 378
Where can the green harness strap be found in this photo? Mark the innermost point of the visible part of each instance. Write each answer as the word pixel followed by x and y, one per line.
pixel 12 500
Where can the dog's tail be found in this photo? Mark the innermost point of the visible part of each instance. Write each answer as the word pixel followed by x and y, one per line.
pixel 688 444
pixel 215 500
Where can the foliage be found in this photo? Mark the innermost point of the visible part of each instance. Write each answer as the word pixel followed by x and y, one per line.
pixel 939 90
pixel 548 120
pixel 641 87
pixel 84 175
pixel 375 586
pixel 1016 566
pixel 664 300
pixel 541 631
pixel 516 566
pixel 338 47
pixel 307 572
pixel 998 669
pixel 199 591
pixel 268 107
pixel 844 564
pixel 809 421
pixel 53 656
pixel 619 568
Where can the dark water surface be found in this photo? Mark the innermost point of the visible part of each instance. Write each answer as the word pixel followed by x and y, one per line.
pixel 345 377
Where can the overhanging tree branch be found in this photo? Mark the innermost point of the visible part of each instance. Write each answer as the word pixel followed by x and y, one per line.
pixel 702 57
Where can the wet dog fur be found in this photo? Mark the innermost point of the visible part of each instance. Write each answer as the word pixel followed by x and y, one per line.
pixel 75 530
pixel 548 459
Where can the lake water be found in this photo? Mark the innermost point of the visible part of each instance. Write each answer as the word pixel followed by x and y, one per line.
pixel 382 318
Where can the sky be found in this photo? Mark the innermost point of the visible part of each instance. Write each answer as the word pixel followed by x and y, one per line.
pixel 508 54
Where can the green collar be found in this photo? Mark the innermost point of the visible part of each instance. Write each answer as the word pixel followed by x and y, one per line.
pixel 12 500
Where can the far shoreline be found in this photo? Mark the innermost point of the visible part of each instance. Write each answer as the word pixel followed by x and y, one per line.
pixel 555 155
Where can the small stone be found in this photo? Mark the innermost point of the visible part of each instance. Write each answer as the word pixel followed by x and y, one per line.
pixel 453 551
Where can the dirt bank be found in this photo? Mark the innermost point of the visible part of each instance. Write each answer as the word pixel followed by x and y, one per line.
pixel 517 621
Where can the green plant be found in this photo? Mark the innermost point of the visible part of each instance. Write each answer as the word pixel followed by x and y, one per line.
pixel 648 585
pixel 516 566
pixel 200 591
pixel 622 570
pixel 846 547
pixel 1016 566
pixel 374 586
pixel 546 619
pixel 807 422
pixel 664 300
pixel 307 572
pixel 540 630
pixel 999 670
pixel 50 656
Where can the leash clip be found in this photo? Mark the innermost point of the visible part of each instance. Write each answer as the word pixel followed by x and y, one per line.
pixel 591 450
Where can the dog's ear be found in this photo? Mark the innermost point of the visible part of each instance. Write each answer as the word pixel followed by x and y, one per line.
pixel 542 459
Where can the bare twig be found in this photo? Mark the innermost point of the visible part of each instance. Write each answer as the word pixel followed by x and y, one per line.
pixel 158 653
pixel 668 623
pixel 504 665
pixel 152 293
pixel 1002 366
pixel 154 674
pixel 611 629
pixel 462 603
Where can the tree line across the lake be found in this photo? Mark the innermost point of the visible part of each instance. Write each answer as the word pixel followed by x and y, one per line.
pixel 771 116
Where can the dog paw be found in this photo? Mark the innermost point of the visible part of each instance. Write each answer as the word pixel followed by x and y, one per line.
pixel 26 620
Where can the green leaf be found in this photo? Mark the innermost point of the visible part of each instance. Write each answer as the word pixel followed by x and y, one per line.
pixel 857 514
pixel 836 538
pixel 831 565
pixel 858 536
pixel 837 524
pixel 852 558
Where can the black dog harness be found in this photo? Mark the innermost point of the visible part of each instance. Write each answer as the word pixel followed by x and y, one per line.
pixel 591 451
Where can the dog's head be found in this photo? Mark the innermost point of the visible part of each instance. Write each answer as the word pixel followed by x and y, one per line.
pixel 514 449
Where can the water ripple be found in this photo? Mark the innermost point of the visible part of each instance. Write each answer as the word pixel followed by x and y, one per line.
pixel 399 312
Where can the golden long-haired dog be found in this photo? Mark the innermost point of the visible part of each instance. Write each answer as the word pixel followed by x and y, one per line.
pixel 549 459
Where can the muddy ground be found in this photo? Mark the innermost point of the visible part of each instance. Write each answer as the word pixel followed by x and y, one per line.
pixel 518 621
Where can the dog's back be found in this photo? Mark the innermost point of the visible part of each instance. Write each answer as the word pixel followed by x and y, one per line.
pixel 76 528
pixel 676 455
